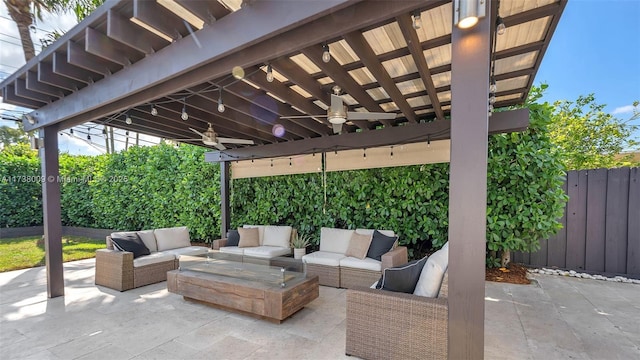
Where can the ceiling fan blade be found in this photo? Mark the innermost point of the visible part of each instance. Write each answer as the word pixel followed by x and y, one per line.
pixel 337 128
pixel 235 141
pixel 336 103
pixel 220 146
pixel 354 115
pixel 185 139
pixel 197 132
pixel 302 116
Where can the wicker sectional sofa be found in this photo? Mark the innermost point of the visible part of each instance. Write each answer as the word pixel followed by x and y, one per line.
pixel 273 241
pixel 334 268
pixel 119 270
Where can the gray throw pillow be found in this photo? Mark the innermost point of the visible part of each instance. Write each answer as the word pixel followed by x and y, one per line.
pixel 402 278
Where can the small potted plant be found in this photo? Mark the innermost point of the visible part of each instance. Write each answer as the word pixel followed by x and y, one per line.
pixel 299 244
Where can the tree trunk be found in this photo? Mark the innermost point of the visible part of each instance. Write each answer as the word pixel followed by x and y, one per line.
pixel 505 258
pixel 20 12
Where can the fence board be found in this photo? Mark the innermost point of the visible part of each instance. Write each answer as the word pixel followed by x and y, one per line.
pixel 617 221
pixel 596 210
pixel 633 248
pixel 576 219
pixel 557 248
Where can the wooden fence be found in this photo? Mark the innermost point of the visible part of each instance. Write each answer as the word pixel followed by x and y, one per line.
pixel 601 225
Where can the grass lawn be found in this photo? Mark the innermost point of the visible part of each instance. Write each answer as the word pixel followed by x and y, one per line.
pixel 24 252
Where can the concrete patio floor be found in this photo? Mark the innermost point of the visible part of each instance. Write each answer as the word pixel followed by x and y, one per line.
pixel 556 318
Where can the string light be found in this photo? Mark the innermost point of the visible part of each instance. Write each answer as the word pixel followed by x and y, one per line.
pixel 391 155
pixel 154 111
pixel 417 21
pixel 289 162
pixel 184 116
pixel 500 26
pixel 128 120
pixel 221 107
pixel 326 55
pixel 428 141
pixel 271 162
pixel 269 73
pixel 364 153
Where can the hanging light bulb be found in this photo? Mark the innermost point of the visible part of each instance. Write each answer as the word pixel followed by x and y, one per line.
pixel 492 99
pixel 221 107
pixel 127 133
pixel 417 21
pixel 154 111
pixel 326 55
pixel 364 153
pixel 71 131
pixel 104 131
pixel 493 87
pixel 184 116
pixel 89 137
pixel 269 73
pixel 271 162
pixel 391 155
pixel 128 120
pixel 429 141
pixel 500 27
pixel 289 162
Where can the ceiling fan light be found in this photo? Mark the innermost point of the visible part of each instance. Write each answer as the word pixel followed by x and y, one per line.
pixel 337 120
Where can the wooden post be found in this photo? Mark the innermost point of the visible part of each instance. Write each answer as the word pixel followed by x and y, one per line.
pixel 225 215
pixel 51 211
pixel 470 60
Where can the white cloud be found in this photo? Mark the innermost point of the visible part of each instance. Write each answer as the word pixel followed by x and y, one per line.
pixel 627 109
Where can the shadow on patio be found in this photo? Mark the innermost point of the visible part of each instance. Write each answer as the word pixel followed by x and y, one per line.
pixel 555 318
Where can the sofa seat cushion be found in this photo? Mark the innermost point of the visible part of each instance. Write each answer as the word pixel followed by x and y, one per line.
pixel 267 252
pixel 277 236
pixel 232 250
pixel 432 273
pixel 172 238
pixel 191 250
pixel 364 264
pixel 156 257
pixel 335 240
pixel 323 258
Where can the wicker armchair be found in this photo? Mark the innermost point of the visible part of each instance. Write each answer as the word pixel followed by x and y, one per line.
pixel 389 325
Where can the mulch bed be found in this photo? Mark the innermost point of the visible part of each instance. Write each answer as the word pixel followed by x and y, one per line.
pixel 513 273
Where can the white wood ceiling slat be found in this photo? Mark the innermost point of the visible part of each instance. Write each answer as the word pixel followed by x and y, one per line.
pixel 349 100
pixel 325 80
pixel 435 23
pixel 444 96
pixel 508 97
pixel 512 7
pixel 410 86
pixel 362 76
pixel 306 64
pixel 378 94
pixel 342 52
pixel 512 83
pixel 522 34
pixel 301 91
pixel 389 107
pixel 321 104
pixel 438 56
pixel 385 38
pixel 517 62
pixel 400 66
pixel 419 101
pixel 442 79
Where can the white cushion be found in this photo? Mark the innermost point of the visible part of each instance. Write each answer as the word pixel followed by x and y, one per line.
pixel 375 284
pixel 260 231
pixel 149 240
pixel 335 240
pixel 191 250
pixel 370 232
pixel 323 258
pixel 172 238
pixel 432 273
pixel 267 252
pixel 232 250
pixel 365 264
pixel 277 236
pixel 154 258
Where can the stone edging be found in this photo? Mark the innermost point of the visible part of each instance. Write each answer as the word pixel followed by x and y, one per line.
pixel 573 273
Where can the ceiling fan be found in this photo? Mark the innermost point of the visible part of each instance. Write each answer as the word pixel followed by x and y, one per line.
pixel 337 113
pixel 210 138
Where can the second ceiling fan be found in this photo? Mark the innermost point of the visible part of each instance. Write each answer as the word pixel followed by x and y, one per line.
pixel 337 114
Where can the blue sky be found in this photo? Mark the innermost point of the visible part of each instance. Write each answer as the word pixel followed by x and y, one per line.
pixel 595 49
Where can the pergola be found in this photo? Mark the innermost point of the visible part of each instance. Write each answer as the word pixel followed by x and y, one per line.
pixel 139 65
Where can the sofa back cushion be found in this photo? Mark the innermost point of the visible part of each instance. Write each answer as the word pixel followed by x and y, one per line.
pixel 277 236
pixel 335 240
pixel 249 237
pixel 172 238
pixel 149 240
pixel 380 245
pixel 433 272
pixel 260 231
pixel 129 242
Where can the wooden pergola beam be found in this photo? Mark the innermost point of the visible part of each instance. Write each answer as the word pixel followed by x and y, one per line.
pixel 501 122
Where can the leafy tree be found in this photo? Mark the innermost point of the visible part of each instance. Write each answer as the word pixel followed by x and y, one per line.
pixel 10 136
pixel 524 190
pixel 590 138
